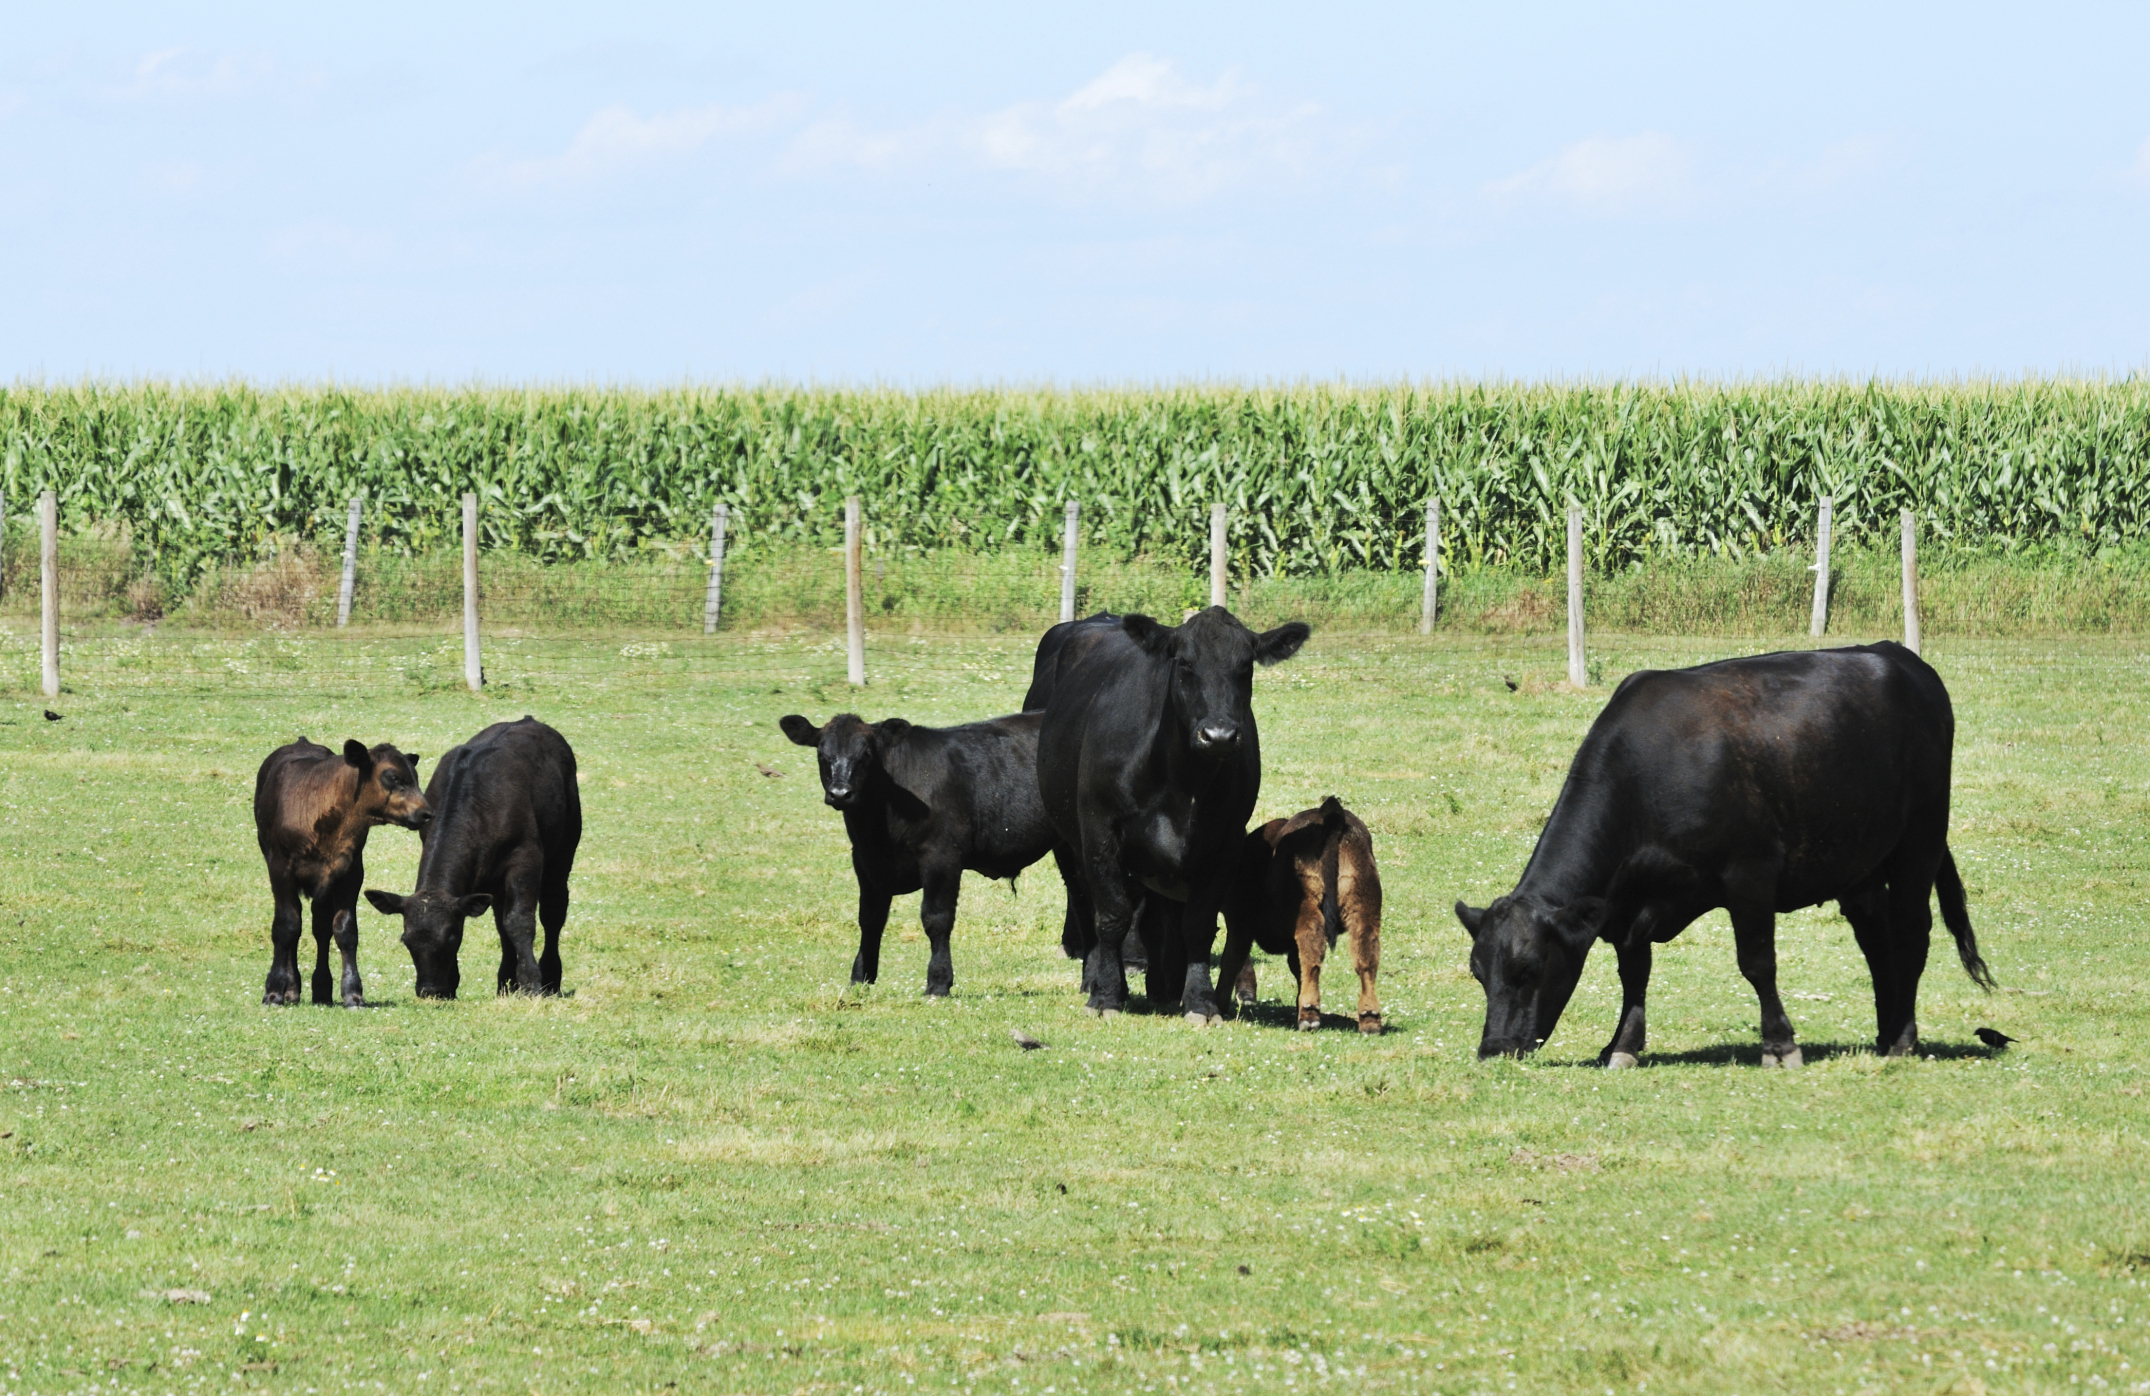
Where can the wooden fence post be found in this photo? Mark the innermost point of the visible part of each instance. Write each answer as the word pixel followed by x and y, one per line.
pixel 855 592
pixel 473 666
pixel 1433 557
pixel 1911 583
pixel 350 566
pixel 1577 674
pixel 1820 622
pixel 1067 561
pixel 48 556
pixel 1220 554
pixel 715 599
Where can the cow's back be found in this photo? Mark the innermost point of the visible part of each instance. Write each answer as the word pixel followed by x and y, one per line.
pixel 513 783
pixel 295 787
pixel 1059 650
pixel 976 789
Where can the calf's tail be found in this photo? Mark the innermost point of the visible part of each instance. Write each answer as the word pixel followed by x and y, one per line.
pixel 1957 917
pixel 1332 837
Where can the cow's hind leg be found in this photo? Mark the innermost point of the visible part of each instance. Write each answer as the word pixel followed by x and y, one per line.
pixel 1911 923
pixel 284 926
pixel 552 915
pixel 1312 944
pixel 1754 935
pixel 1635 954
pixel 1358 903
pixel 937 913
pixel 1871 913
pixel 1113 911
pixel 324 917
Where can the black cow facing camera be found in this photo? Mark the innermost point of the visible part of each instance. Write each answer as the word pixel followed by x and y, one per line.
pixel 921 806
pixel 507 821
pixel 1149 764
pixel 1759 785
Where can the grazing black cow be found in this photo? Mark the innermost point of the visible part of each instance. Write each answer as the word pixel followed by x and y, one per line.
pixel 1758 785
pixel 508 817
pixel 1302 882
pixel 1149 764
pixel 922 805
pixel 313 808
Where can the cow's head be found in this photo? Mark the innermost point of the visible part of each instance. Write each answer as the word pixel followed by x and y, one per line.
pixel 388 790
pixel 1213 658
pixel 1528 957
pixel 849 750
pixel 433 933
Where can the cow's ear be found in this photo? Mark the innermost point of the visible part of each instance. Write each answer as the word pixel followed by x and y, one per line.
pixel 1470 916
pixel 414 758
pixel 474 904
pixel 386 903
pixel 1282 643
pixel 1148 635
pixel 891 729
pixel 800 730
pixel 355 753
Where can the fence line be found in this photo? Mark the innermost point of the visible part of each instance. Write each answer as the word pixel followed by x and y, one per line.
pixel 350 567
pixel 1433 555
pixel 1911 582
pixel 715 599
pixel 1220 554
pixel 48 565
pixel 1067 562
pixel 1577 674
pixel 854 594
pixel 473 663
pixel 1820 621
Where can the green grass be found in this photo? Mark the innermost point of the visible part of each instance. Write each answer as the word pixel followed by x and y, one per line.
pixel 709 1164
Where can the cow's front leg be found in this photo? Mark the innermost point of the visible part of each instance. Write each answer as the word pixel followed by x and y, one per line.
pixel 1625 1049
pixel 336 919
pixel 324 981
pixel 515 917
pixel 937 913
pixel 1754 936
pixel 873 920
pixel 1197 937
pixel 1112 905
pixel 345 929
pixel 284 927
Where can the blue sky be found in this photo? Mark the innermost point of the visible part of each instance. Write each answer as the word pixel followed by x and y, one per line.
pixel 1095 193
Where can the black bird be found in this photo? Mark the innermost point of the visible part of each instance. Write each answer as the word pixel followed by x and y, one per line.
pixel 1510 682
pixel 51 716
pixel 1994 1038
pixel 1024 1040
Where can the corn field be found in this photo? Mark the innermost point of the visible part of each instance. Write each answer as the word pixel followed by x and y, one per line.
pixel 1319 479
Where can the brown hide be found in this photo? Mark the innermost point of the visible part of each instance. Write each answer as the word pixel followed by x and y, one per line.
pixel 1302 883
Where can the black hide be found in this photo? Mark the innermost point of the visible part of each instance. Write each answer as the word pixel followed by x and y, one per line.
pixel 1149 764
pixel 923 805
pixel 507 819
pixel 1759 785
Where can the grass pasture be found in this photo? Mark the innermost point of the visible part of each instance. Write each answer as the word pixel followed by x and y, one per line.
pixel 708 1166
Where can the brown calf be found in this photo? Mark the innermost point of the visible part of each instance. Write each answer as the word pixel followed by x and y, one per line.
pixel 313 808
pixel 1301 883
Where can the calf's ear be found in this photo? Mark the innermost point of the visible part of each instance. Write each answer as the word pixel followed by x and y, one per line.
pixel 386 903
pixel 892 729
pixel 1280 644
pixel 801 731
pixel 356 754
pixel 414 758
pixel 1470 916
pixel 1154 639
pixel 474 904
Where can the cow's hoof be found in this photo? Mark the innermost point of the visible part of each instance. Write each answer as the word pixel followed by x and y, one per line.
pixel 1620 1061
pixel 1788 1057
pixel 354 1001
pixel 1309 1024
pixel 1198 1018
pixel 1370 1023
pixel 1102 1012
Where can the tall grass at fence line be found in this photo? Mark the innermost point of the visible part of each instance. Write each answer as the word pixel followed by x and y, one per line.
pixel 777 586
pixel 1321 479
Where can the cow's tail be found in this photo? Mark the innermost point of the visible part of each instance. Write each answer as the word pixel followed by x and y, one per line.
pixel 1956 915
pixel 1333 829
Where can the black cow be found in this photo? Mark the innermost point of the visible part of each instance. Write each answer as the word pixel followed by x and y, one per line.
pixel 1059 650
pixel 313 808
pixel 922 805
pixel 507 819
pixel 1758 785
pixel 1149 764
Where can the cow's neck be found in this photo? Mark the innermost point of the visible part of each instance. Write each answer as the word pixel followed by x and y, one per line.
pixel 449 863
pixel 1577 852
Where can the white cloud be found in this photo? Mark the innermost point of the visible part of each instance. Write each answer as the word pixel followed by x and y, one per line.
pixel 1610 175
pixel 616 139
pixel 2139 172
pixel 1140 128
pixel 178 73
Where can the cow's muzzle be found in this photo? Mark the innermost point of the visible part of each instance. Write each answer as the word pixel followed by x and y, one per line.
pixel 1505 1047
pixel 416 819
pixel 1216 738
pixel 839 796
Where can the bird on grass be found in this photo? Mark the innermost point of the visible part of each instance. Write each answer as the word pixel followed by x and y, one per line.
pixel 1024 1040
pixel 1994 1038
pixel 51 716
pixel 767 770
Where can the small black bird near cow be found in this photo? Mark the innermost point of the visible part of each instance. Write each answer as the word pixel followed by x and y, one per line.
pixel 1760 785
pixel 313 808
pixel 1994 1038
pixel 922 806
pixel 51 716
pixel 507 821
